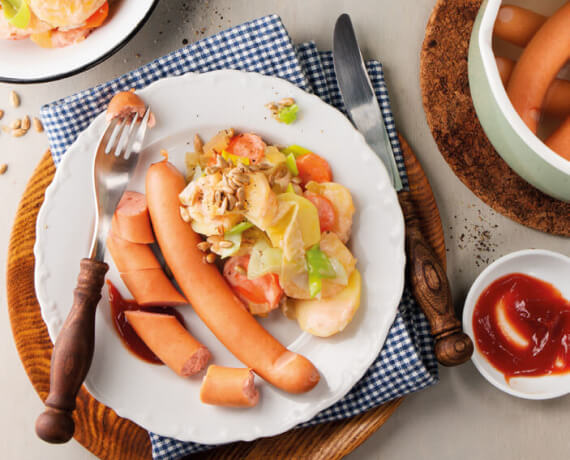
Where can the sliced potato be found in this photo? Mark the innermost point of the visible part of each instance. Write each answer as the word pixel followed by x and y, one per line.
pixel 341 199
pixel 327 317
pixel 261 202
pixel 219 142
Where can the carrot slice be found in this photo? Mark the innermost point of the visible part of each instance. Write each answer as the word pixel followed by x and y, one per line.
pixel 247 145
pixel 327 214
pixel 313 167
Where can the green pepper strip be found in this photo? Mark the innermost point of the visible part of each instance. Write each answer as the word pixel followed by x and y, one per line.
pixel 319 267
pixel 239 228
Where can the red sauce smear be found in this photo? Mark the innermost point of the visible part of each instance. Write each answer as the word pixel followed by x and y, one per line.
pixel 522 326
pixel 128 335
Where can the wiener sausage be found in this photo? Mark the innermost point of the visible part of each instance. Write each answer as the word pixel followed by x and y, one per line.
pixel 539 63
pixel 517 25
pixel 131 221
pixel 559 140
pixel 557 100
pixel 130 256
pixel 151 288
pixel 170 341
pixel 212 298
pixel 125 103
pixel 230 387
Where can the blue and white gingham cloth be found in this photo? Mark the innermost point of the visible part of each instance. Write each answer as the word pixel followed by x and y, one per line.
pixel 406 362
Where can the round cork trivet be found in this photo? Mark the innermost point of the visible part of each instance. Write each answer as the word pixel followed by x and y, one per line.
pixel 456 129
pixel 108 436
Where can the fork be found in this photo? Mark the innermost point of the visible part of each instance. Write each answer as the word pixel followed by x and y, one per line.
pixel 115 159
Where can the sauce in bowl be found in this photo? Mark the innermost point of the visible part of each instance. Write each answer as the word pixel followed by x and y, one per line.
pixel 522 326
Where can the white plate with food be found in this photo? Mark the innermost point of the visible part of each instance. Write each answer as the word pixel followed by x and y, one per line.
pixel 43 40
pixel 154 396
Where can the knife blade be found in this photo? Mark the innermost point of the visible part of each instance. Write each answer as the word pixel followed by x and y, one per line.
pixel 427 278
pixel 359 97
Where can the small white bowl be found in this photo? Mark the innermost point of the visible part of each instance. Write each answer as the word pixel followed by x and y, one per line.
pixel 549 266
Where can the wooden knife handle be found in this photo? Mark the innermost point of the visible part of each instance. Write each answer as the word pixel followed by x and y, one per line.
pixel 72 355
pixel 430 287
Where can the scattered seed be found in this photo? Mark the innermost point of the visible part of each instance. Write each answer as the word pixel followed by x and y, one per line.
pixel 18 132
pixel 226 244
pixel 211 258
pixel 296 180
pixel 3 168
pixel 198 144
pixel 203 246
pixel 218 197
pixel 287 101
pixel 240 194
pixel 264 166
pixel 16 124
pixel 241 179
pixel 26 123
pixel 38 126
pixel 271 106
pixel 1 114
pixel 232 201
pixel 14 99
pixel 214 239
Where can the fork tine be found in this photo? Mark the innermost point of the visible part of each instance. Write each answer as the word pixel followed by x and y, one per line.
pixel 126 138
pixel 116 137
pixel 109 130
pixel 135 141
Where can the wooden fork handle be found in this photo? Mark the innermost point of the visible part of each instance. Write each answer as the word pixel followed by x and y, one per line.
pixel 72 355
pixel 430 288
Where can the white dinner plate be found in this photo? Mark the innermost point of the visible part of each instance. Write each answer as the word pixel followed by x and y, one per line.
pixel 154 396
pixel 22 61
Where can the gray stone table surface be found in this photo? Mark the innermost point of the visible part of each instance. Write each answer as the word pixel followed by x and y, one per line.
pixel 461 417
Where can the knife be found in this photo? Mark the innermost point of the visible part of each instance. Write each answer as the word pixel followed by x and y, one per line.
pixel 428 280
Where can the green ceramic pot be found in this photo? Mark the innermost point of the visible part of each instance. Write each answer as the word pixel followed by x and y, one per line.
pixel 525 153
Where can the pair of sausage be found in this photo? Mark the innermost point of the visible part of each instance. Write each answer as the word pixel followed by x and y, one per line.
pixel 547 50
pixel 211 297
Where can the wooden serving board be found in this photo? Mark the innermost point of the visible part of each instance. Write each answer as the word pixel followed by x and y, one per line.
pixel 455 127
pixel 109 436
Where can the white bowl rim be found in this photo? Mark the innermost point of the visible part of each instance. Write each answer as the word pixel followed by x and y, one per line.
pixel 469 307
pixel 485 37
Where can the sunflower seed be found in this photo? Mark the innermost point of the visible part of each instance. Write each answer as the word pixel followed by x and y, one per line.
pixel 198 144
pixel 214 239
pixel 14 99
pixel 226 244
pixel 26 123
pixel 18 132
pixel 296 180
pixel 3 168
pixel 211 258
pixel 240 194
pixel 203 246
pixel 38 126
pixel 16 124
pixel 287 101
pixel 218 197
pixel 231 202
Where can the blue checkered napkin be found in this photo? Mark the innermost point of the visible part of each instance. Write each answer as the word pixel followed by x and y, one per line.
pixel 406 362
pixel 261 45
